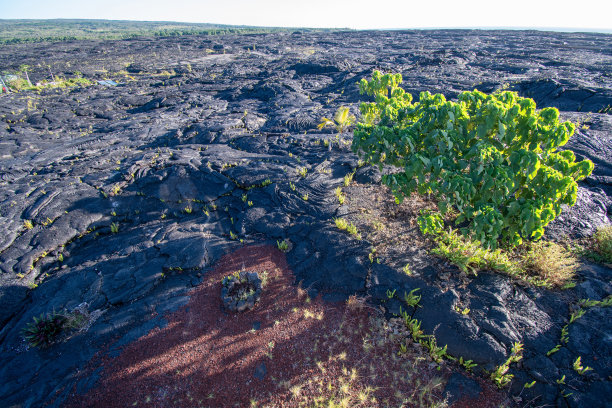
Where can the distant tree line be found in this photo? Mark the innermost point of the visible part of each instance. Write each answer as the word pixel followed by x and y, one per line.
pixel 33 31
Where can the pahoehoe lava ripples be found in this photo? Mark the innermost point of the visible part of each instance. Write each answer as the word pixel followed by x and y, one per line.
pixel 168 155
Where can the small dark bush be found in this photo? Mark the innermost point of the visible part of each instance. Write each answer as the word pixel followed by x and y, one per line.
pixel 44 330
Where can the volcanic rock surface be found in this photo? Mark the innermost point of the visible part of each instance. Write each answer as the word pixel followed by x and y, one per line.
pixel 202 148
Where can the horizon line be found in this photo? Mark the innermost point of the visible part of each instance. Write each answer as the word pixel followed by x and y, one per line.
pixel 481 28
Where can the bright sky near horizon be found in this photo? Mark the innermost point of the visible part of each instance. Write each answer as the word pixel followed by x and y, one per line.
pixel 592 15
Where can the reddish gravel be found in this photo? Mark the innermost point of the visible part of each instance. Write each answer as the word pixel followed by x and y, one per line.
pixel 313 352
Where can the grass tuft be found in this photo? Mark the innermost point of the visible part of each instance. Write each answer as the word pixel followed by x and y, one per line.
pixel 551 262
pixel 352 229
pixel 44 330
pixel 348 179
pixel 341 223
pixel 283 245
pixel 340 195
pixel 602 242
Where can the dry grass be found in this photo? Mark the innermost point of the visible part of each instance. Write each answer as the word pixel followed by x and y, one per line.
pixel 551 262
pixel 357 365
pixel 602 242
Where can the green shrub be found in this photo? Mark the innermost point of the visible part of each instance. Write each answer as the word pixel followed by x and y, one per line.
pixel 493 158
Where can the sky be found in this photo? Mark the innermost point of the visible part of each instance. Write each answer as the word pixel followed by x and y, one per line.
pixel 568 15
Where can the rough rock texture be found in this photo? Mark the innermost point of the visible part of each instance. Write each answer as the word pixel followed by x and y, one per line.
pixel 203 145
pixel 240 293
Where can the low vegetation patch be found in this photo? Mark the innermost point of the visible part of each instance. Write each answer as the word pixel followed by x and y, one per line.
pixel 51 327
pixel 341 121
pixel 602 243
pixel 344 225
pixel 44 330
pixel 470 256
pixel 283 245
pixel 18 83
pixel 543 263
pixel 551 262
pixel 500 376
